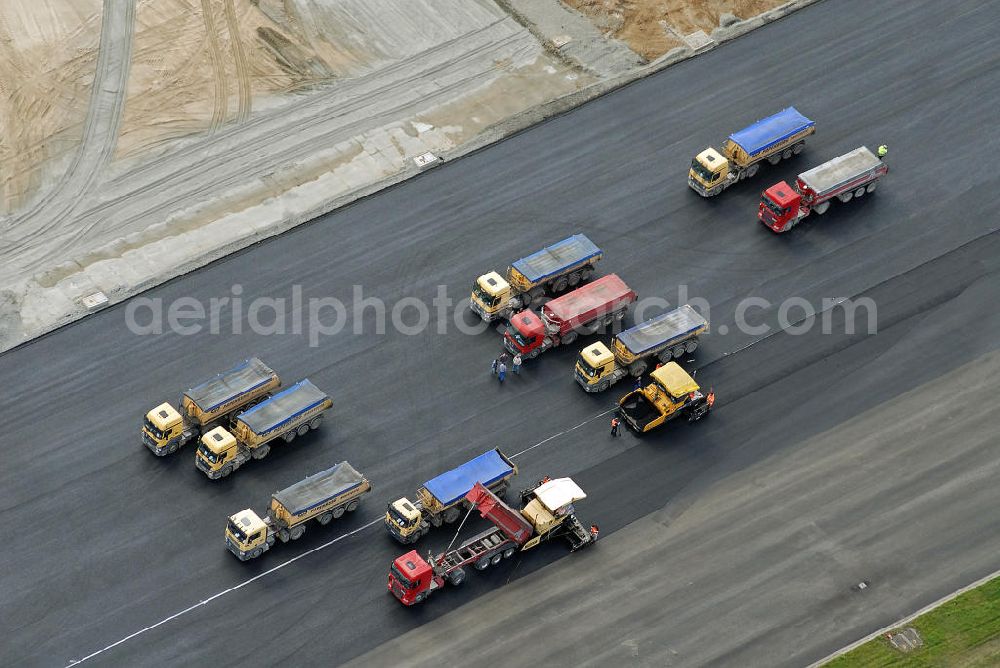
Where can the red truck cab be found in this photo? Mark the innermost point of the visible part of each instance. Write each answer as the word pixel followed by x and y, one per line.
pixel 411 578
pixel 779 205
pixel 525 332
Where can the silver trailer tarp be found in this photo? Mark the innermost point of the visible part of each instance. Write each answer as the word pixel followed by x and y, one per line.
pixel 318 488
pixel 841 170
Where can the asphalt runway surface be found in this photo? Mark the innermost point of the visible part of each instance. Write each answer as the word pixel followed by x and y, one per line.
pixel 107 540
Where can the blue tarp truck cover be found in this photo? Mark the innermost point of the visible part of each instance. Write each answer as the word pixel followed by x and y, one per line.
pixel 487 468
pixel 771 130
pixel 319 488
pixel 283 407
pixel 672 325
pixel 557 257
pixel 244 377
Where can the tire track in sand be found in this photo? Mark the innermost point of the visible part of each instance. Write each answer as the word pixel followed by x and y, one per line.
pixel 215 52
pixel 242 65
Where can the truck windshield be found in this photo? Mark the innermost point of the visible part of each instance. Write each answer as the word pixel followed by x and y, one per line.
pixel 483 296
pixel 396 517
pixel 702 171
pixel 517 336
pixel 588 370
pixel 206 453
pixel 151 428
pixel 775 209
pixel 400 578
pixel 236 531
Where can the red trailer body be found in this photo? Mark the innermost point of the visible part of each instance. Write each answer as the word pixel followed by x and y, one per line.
pixel 845 177
pixel 582 311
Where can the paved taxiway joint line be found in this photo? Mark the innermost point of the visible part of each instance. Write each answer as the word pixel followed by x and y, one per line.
pixel 377 520
pixel 906 620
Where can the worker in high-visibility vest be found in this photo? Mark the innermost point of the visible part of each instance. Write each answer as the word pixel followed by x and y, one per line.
pixel 882 151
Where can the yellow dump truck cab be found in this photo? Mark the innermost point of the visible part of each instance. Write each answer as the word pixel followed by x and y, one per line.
pixel 217 450
pixel 162 429
pixel 596 368
pixel 491 293
pixel 405 521
pixel 709 172
pixel 246 535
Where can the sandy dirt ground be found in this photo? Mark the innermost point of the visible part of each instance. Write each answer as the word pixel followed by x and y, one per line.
pixel 653 27
pixel 48 52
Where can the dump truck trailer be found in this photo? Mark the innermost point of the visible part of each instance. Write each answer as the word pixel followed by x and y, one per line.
pixel 583 311
pixel 665 337
pixel 166 429
pixel 323 496
pixel 774 138
pixel 547 512
pixel 673 393
pixel 562 265
pixel 846 177
pixel 288 414
pixel 441 500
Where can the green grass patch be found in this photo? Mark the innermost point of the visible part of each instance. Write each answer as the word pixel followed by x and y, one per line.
pixel 964 632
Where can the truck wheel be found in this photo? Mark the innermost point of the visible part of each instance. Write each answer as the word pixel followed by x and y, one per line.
pixel 173 448
pixel 316 422
pixel 352 506
pixel 283 536
pixel 289 436
pixel 256 553
pixel 302 430
pixel 786 154
pixel 691 346
pixel 846 197
pixel 619 314
pixel 821 207
pixel 559 284
pixel 261 452
pixel 859 192
pixel 495 559
pixel 798 148
pixel 870 188
pixel 678 352
pixel 569 338
pixel 435 520
pixel 533 354
pixel 297 532
pixel 338 512
pixel 226 470
pixel 483 563
pixel 665 355
pixel 774 159
pixel 574 279
pixel 325 518
pixel 586 273
pixel 603 385
pixel 419 598
pixel 752 169
pixel 451 515
pixel 508 553
pixel 456 577
pixel 637 368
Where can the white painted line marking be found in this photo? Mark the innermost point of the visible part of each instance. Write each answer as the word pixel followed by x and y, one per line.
pixel 378 520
